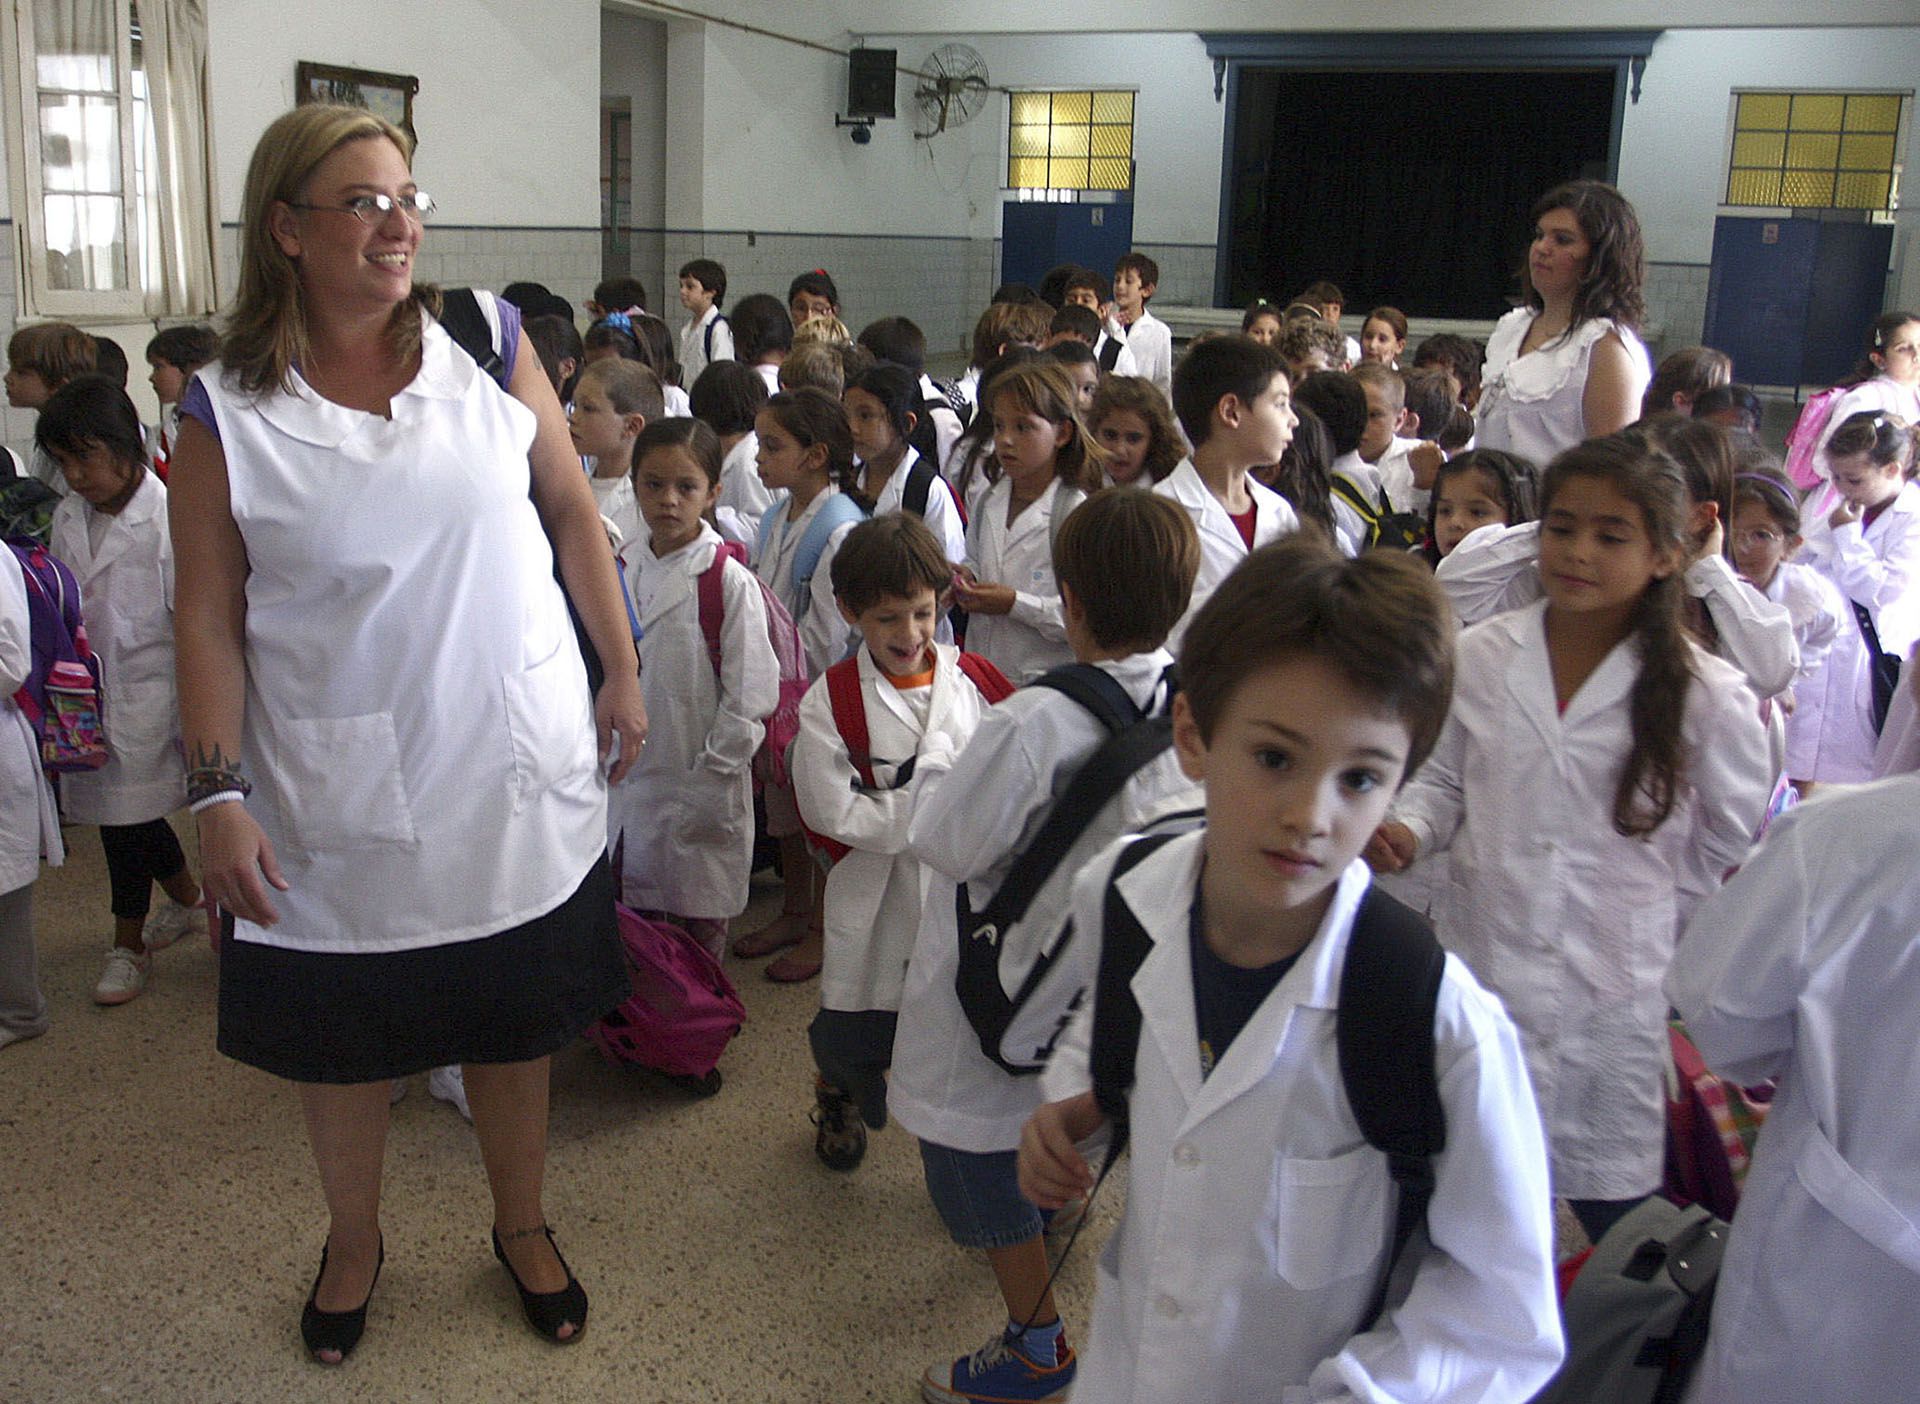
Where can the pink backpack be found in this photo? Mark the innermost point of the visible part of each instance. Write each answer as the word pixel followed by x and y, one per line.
pixel 770 764
pixel 61 697
pixel 1804 438
pixel 683 1010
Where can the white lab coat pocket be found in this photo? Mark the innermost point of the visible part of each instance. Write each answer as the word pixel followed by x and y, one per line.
pixel 341 777
pixel 551 736
pixel 1329 1217
pixel 707 808
pixel 142 724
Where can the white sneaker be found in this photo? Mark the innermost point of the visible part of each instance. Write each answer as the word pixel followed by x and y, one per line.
pixel 124 977
pixel 447 1085
pixel 399 1091
pixel 8 1036
pixel 169 922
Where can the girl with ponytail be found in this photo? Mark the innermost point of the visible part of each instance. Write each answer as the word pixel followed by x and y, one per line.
pixel 1598 772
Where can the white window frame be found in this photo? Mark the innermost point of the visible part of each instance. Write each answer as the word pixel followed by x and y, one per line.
pixel 127 304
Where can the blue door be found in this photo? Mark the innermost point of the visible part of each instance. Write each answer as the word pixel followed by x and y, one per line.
pixel 1036 236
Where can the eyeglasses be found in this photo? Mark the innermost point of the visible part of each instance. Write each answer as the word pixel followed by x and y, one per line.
pixel 374 209
pixel 1757 537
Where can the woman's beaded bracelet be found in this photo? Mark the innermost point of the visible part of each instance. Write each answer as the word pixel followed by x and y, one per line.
pixel 215 780
pixel 219 797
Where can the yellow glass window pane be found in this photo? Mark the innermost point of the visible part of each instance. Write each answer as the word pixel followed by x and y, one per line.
pixel 1818 112
pixel 1112 141
pixel 1861 190
pixel 1110 174
pixel 1807 189
pixel 1070 174
pixel 1813 151
pixel 1760 149
pixel 1029 108
pixel 1113 107
pixel 1068 141
pixel 1873 112
pixel 1073 107
pixel 1753 188
pixel 1763 110
pixel 1026 171
pixel 1866 153
pixel 1027 141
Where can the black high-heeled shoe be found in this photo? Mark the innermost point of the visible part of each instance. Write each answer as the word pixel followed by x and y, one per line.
pixel 547 1312
pixel 336 1330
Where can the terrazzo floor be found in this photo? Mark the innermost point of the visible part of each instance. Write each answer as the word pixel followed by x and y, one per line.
pixel 161 1221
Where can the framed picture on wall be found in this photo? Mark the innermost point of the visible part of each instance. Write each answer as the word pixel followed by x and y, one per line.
pixel 388 95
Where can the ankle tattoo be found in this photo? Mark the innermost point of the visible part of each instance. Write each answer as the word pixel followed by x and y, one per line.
pixel 517 1234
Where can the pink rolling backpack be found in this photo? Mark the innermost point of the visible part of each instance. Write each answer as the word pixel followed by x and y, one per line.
pixel 682 1011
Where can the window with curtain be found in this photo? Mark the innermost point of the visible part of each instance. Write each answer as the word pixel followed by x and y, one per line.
pixel 108 147
pixel 1069 141
pixel 1816 150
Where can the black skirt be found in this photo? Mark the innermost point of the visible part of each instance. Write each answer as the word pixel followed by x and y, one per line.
pixel 342 1018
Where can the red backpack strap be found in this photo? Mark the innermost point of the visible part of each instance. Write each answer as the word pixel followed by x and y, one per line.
pixel 993 683
pixel 850 715
pixel 712 604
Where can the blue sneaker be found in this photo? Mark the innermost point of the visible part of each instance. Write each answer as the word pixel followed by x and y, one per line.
pixel 1000 1373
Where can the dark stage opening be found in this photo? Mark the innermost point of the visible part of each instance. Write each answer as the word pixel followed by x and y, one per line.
pixel 1410 189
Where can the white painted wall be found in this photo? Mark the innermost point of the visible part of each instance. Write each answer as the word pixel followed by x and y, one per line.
pixel 633 66
pixel 508 106
pixel 825 20
pixel 1675 142
pixel 773 160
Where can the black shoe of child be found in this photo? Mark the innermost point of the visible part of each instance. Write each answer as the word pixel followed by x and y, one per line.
pixel 839 1138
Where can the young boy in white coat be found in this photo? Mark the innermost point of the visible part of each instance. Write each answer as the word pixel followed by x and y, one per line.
pixel 111 529
pixel 682 819
pixel 706 337
pixel 1125 562
pixel 1802 968
pixel 1257 1221
pixel 1136 278
pixel 1234 401
pixel 920 706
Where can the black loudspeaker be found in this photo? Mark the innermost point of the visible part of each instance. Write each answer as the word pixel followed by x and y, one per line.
pixel 870 82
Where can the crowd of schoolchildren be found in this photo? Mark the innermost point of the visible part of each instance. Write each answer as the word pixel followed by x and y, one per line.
pixel 982 587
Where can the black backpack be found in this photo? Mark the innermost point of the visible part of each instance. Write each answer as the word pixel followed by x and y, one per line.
pixel 913 498
pixel 1017 1031
pixel 706 337
pixel 1386 528
pixel 951 398
pixel 1389 991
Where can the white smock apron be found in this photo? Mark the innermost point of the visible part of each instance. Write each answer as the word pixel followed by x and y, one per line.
pixel 418 728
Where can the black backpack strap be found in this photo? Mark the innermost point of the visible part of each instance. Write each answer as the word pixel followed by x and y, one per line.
pixel 919 488
pixel 462 319
pixel 1109 356
pixel 1369 513
pixel 1883 668
pixel 1095 689
pixel 1133 741
pixel 706 340
pixel 1389 991
pixel 1124 945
